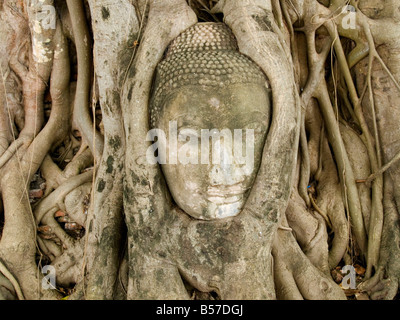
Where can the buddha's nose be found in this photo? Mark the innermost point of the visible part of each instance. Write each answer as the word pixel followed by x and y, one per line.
pixel 226 170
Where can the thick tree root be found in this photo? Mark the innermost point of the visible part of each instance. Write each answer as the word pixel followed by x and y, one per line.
pixel 295 276
pixel 347 133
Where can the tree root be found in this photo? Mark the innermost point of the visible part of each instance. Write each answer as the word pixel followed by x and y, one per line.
pixel 310 232
pixel 9 153
pixel 13 281
pixel 359 160
pixel 69 264
pixel 330 201
pixel 53 201
pixel 342 187
pixel 296 277
pixel 377 187
pixel 82 116
pixel 385 283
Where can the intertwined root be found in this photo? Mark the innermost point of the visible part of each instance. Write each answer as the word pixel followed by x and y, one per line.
pixel 296 277
pixel 345 197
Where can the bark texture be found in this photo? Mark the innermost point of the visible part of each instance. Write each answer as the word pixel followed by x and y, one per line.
pixel 78 194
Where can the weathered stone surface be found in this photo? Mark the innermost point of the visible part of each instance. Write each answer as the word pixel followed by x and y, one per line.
pixel 204 55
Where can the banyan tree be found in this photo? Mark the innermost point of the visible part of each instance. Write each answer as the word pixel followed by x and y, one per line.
pixel 199 149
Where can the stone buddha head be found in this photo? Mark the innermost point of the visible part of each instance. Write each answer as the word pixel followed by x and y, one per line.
pixel 214 105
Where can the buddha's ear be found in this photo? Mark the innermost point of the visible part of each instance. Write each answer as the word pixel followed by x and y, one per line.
pixel 253 24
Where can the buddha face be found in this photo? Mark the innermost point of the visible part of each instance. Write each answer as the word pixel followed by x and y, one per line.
pixel 219 187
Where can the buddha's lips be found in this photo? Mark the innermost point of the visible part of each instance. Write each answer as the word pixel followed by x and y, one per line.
pixel 223 192
pixel 225 199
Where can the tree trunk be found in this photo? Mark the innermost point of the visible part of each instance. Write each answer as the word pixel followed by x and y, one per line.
pixel 78 193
